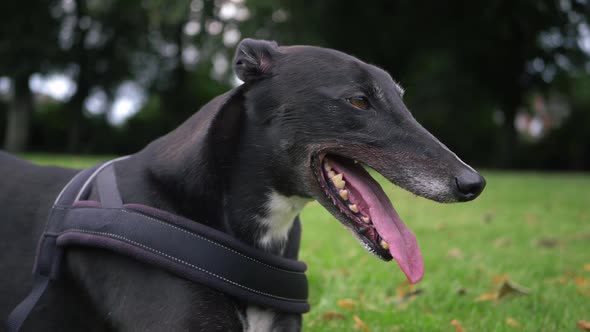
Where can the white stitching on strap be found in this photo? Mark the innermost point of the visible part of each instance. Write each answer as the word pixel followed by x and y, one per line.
pixel 206 239
pixel 111 235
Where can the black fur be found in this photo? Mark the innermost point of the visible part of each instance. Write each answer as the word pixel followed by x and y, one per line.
pixel 218 168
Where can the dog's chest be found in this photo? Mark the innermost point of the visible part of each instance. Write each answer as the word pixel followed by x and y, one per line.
pixel 280 212
pixel 256 319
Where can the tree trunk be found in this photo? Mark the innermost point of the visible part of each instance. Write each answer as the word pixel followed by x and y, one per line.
pixel 18 121
pixel 174 96
pixel 508 143
pixel 75 107
pixel 509 140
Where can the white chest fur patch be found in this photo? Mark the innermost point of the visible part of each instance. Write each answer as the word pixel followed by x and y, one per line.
pixel 280 213
pixel 258 319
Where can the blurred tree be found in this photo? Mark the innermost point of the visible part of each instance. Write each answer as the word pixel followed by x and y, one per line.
pixel 173 84
pixel 98 42
pixel 27 40
pixel 466 63
pixel 463 58
pixel 193 43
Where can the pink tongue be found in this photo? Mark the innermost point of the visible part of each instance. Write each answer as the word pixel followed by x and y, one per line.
pixel 402 242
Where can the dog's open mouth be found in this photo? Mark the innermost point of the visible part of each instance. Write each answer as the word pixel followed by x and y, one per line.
pixel 369 214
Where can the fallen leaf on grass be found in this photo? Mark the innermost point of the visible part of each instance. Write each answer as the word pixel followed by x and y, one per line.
pixel 567 277
pixel 367 304
pixel 441 226
pixel 461 291
pixel 509 288
pixel 455 253
pixel 486 297
pixel 347 304
pixel 584 325
pixel 581 281
pixel 513 322
pixel 457 325
pixel 358 323
pixel 583 285
pixel 344 272
pixel 531 219
pixel 581 236
pixel 404 288
pixel 587 267
pixel 488 217
pixel 500 278
pixel 407 290
pixel 406 293
pixel 502 242
pixel 547 242
pixel 332 315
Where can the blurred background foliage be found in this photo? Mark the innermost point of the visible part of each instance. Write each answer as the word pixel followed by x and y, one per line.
pixel 502 83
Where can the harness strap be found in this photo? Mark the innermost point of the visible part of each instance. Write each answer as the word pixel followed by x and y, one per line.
pixel 178 245
pixel 47 260
pixel 106 184
pixel 21 312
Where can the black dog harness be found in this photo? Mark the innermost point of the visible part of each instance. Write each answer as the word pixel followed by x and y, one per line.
pixel 178 245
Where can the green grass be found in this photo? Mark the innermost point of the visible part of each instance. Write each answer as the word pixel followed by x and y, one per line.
pixel 66 160
pixel 532 227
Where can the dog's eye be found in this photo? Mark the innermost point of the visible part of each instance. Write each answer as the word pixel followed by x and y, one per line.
pixel 359 102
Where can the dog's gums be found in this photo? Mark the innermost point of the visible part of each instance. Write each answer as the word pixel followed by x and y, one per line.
pixel 335 188
pixel 368 213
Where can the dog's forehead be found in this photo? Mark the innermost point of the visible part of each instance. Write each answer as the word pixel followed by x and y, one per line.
pixel 337 67
pixel 383 81
pixel 322 61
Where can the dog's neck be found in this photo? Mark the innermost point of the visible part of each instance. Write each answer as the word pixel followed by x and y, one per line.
pixel 243 200
pixel 259 209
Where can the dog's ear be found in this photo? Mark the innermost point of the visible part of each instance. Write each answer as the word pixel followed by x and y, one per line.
pixel 254 59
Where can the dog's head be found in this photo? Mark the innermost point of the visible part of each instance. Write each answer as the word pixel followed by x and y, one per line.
pixel 326 115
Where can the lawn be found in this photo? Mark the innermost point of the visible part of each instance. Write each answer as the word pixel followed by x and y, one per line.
pixel 532 229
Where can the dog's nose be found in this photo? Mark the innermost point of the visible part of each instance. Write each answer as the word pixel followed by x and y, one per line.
pixel 469 184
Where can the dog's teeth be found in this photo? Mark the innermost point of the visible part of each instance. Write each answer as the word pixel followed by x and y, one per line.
pixel 353 208
pixel 327 166
pixel 356 161
pixel 338 182
pixel 366 220
pixel 344 194
pixel 331 174
pixel 384 245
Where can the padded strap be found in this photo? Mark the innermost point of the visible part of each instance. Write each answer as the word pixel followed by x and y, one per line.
pixel 186 253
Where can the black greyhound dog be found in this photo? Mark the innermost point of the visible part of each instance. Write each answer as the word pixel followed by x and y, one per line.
pixel 300 128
